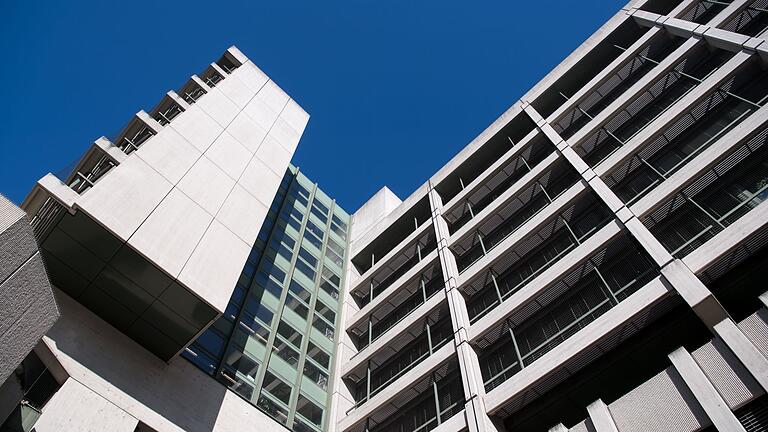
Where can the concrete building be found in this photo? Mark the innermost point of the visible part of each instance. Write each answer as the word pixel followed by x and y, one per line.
pixel 590 262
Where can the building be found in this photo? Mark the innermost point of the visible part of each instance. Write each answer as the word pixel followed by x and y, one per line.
pixel 590 262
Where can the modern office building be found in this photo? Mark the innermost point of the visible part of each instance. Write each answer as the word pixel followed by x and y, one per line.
pixel 590 262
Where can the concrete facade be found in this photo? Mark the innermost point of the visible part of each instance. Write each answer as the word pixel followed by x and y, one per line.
pixel 566 235
pixel 27 306
pixel 592 261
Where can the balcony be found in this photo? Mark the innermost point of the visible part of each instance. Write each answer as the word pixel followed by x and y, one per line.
pixel 751 21
pixel 166 111
pixel 395 265
pixel 377 375
pixel 714 200
pixel 541 248
pixel 704 10
pixel 192 91
pixel 616 84
pixel 510 216
pixel 424 406
pixel 658 98
pixel 494 186
pixel 697 130
pixel 606 278
pixel 400 305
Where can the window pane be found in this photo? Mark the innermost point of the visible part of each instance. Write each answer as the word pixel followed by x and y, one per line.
pixel 242 363
pixel 308 257
pixel 316 375
pixel 319 355
pixel 306 269
pixel 326 311
pixel 286 352
pixel 324 328
pixel 294 304
pixel 300 291
pixel 309 410
pixel 277 388
pixel 289 333
pixel 273 409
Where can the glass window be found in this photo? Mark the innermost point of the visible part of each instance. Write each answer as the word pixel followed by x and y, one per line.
pixel 286 352
pixel 324 328
pixel 200 358
pixel 273 409
pixel 309 410
pixel 332 257
pixel 326 311
pixel 300 426
pixel 331 276
pixel 277 388
pixel 296 305
pixel 330 289
pixel 318 355
pixel 313 239
pixel 308 257
pixel 257 309
pixel 307 270
pixel 322 207
pixel 314 229
pixel 297 193
pixel 289 333
pixel 316 375
pixel 300 291
pixel 242 363
pixel 338 221
pixel 338 231
pixel 237 384
pixel 212 342
pixel 255 329
pixel 320 215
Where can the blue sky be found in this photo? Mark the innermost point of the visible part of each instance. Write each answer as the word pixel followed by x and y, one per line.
pixel 394 88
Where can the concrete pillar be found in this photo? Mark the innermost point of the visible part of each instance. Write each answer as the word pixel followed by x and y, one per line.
pixel 472 381
pixel 601 417
pixel 705 393
pixel 752 359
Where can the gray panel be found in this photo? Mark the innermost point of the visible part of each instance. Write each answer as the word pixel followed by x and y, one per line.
pixel 663 403
pixel 755 327
pixel 730 378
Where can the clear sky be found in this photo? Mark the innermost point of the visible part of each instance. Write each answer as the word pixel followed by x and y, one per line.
pixel 394 88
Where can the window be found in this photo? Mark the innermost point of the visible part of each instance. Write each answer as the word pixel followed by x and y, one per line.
pixel 242 363
pixel 316 230
pixel 296 305
pixel 300 426
pixel 305 269
pixel 331 276
pixel 308 257
pixel 273 409
pixel 330 289
pixel 286 352
pixel 257 309
pixel 318 355
pixel 212 342
pixel 324 328
pixel 332 257
pixel 317 212
pixel 316 375
pixel 309 410
pixel 301 292
pixel 277 388
pixel 289 333
pixel 325 311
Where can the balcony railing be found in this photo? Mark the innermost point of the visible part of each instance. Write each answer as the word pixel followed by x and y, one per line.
pixel 521 209
pixel 706 123
pixel 662 95
pixel 752 21
pixel 438 398
pixel 397 267
pixel 538 252
pixel 703 11
pixel 515 169
pixel 378 377
pixel 715 200
pixel 615 85
pixel 422 289
pixel 607 278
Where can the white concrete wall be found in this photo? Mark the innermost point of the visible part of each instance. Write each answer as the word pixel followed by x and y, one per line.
pixel 193 197
pixel 375 209
pixel 113 383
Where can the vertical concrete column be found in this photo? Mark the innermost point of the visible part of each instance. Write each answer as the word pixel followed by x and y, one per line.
pixel 752 359
pixel 472 381
pixel 601 417
pixel 705 393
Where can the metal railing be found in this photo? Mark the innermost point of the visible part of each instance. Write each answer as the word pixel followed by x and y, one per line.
pixel 601 284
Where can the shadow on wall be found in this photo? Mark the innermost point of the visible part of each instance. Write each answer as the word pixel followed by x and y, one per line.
pixel 108 362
